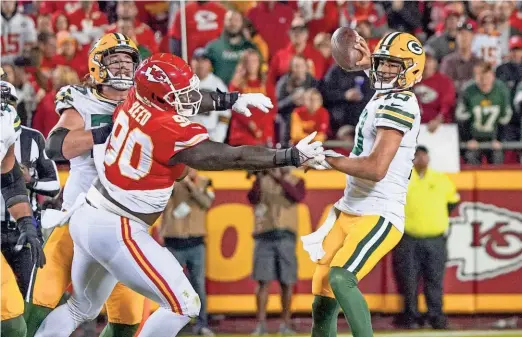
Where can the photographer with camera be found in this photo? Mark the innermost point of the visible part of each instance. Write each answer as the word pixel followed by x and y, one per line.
pixel 275 196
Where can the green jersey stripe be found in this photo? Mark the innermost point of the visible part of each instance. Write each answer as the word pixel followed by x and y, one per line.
pixel 394 119
pixel 397 110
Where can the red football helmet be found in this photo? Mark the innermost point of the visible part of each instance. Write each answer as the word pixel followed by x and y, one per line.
pixel 166 82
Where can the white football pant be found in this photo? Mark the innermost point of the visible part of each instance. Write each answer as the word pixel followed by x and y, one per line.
pixel 107 249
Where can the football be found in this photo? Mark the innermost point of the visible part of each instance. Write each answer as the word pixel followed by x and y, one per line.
pixel 343 51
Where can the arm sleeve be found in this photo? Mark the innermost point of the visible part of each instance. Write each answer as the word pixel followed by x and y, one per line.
pixel 48 182
pixel 397 115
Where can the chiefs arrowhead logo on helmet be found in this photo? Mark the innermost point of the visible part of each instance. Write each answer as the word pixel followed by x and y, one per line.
pixel 156 74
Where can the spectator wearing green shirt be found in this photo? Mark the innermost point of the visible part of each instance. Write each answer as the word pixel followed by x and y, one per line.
pixel 484 108
pixel 224 52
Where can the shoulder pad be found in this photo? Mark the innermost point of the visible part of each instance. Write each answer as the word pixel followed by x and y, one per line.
pixel 68 96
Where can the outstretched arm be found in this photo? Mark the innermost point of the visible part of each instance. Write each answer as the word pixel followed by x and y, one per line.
pixel 213 156
pixel 374 166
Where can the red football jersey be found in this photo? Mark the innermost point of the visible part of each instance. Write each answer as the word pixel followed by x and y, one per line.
pixel 204 23
pixel 136 159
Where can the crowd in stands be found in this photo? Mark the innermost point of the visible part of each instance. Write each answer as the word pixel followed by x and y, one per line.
pixel 472 76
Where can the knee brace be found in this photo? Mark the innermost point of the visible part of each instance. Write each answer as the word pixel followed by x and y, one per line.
pixel 191 304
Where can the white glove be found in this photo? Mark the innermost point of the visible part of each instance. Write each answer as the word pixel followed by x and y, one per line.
pixel 321 164
pixel 256 100
pixel 309 151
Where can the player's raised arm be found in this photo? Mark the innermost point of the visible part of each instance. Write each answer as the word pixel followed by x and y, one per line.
pixel 213 156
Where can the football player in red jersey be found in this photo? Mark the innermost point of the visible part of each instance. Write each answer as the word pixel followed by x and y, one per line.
pixel 151 142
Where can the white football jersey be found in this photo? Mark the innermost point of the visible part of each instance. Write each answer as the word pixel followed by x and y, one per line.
pixel 17 32
pixel 96 111
pixel 10 128
pixel 488 48
pixel 387 197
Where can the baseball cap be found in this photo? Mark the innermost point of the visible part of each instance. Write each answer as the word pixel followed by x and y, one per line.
pixel 199 53
pixel 515 42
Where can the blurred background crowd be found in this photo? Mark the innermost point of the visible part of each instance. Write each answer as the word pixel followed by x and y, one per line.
pixel 282 48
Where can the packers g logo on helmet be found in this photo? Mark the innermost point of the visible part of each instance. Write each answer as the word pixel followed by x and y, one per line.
pixel 404 49
pixel 110 44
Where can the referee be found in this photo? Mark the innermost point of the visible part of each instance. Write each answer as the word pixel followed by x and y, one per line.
pixel 41 178
pixel 422 251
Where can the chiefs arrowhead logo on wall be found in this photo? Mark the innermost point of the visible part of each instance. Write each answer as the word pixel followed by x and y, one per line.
pixel 484 241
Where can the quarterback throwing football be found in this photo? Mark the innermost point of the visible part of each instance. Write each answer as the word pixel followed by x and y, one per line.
pixel 368 221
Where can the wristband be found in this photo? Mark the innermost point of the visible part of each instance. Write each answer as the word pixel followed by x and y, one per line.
pixel 224 100
pixel 287 157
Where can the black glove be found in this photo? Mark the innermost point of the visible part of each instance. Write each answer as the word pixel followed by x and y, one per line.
pixel 29 235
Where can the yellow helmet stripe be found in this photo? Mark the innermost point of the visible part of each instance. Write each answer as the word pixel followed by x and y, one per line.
pixel 387 41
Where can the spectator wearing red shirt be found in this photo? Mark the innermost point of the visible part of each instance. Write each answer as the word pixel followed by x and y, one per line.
pixel 204 22
pixel 155 14
pixel 45 117
pixel 259 128
pixel 436 94
pixel 310 117
pixel 139 32
pixel 270 19
pixel 352 12
pixel 320 16
pixel 280 63
pixel 70 54
pixel 63 6
pixel 60 22
pixel 47 45
pixel 515 21
pixel 323 44
pixel 88 22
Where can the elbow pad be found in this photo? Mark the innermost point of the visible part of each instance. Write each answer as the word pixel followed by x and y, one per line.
pixel 54 144
pixel 13 187
pixel 223 100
